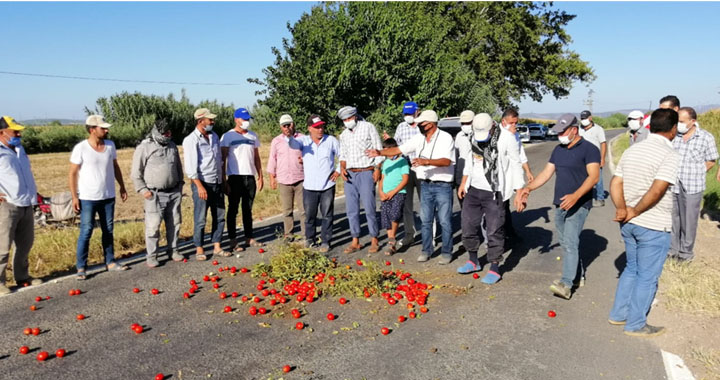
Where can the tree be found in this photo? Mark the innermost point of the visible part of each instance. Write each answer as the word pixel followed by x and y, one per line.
pixel 446 56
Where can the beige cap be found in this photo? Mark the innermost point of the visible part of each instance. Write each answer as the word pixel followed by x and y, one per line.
pixel 97 121
pixel 467 116
pixel 285 119
pixel 482 123
pixel 427 115
pixel 204 113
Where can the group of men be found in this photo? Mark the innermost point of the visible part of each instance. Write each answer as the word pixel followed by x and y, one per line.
pixel 656 189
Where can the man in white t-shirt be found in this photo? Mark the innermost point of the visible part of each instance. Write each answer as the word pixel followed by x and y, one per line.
pixel 241 160
pixel 595 134
pixel 435 168
pixel 93 172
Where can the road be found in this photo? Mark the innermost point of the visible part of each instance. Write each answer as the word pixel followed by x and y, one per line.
pixel 472 331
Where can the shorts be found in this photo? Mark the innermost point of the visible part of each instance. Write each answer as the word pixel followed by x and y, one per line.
pixel 392 210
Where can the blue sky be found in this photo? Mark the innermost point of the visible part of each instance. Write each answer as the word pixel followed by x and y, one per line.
pixel 640 52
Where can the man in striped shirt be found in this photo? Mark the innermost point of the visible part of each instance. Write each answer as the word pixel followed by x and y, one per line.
pixel 643 205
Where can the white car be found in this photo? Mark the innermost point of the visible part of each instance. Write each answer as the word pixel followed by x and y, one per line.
pixel 550 132
pixel 524 133
pixel 537 131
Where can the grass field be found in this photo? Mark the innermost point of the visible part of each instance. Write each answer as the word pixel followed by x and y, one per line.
pixel 53 251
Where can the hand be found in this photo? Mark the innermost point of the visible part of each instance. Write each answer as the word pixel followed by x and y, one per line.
pixel 202 193
pixel 273 183
pixel 631 213
pixel 376 175
pixel 568 201
pixel 620 215
pixel 602 162
pixel 123 194
pixel 225 186
pixel 530 176
pixel 343 174
pixel 521 197
pixel 334 175
pixel 372 153
pixel 385 135
pixel 76 205
pixel 147 194
pixel 259 183
pixel 419 162
pixel 461 192
pixel 383 196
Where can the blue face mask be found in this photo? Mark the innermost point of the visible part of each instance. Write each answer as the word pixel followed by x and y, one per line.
pixel 14 141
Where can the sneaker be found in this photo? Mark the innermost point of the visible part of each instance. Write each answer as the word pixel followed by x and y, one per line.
pixel 152 262
pixel 423 257
pixel 324 248
pixel 4 290
pixel 616 323
pixel 598 203
pixel 445 260
pixel 561 290
pixel 647 331
pixel 176 256
pixel 469 267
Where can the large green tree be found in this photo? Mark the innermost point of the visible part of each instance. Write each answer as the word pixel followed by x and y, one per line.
pixel 447 56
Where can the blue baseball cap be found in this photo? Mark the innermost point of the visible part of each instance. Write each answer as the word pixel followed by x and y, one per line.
pixel 410 108
pixel 242 113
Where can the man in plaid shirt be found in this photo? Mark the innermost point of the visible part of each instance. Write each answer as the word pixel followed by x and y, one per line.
pixel 403 133
pixel 698 153
pixel 360 174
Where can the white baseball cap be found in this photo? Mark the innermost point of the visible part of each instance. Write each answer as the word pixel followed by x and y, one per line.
pixel 285 119
pixel 482 123
pixel 427 115
pixel 466 116
pixel 635 114
pixel 97 121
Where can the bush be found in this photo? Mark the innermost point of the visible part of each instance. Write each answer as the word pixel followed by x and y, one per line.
pixel 614 121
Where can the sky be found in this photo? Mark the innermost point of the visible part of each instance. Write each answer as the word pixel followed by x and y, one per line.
pixel 640 51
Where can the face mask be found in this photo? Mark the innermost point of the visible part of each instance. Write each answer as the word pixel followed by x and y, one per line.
pixel 245 125
pixel 565 140
pixel 208 128
pixel 682 128
pixel 634 124
pixel 423 130
pixel 585 122
pixel 350 124
pixel 14 141
pixel 409 119
pixel 466 128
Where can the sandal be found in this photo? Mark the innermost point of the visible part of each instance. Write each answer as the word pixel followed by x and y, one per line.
pixel 237 248
pixel 255 243
pixel 374 248
pixel 352 248
pixel 200 257
pixel 81 275
pixel 391 248
pixel 115 267
pixel 222 253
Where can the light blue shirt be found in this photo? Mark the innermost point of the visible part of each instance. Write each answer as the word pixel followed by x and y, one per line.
pixel 16 179
pixel 318 160
pixel 203 159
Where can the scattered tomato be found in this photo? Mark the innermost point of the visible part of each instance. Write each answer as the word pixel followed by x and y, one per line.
pixel 261 250
pixel 476 276
pixel 159 376
pixel 27 331
pixel 38 299
pixel 262 310
pixel 33 307
pixel 60 353
pixel 24 350
pixel 234 295
pixel 411 315
pixel 206 278
pixel 342 301
pixel 154 291
pixel 401 318
pixel 214 262
pixel 388 263
pixel 423 309
pixel 80 317
pixel 287 369
pixel 330 316
pixel 299 326
pixel 186 294
pixel 138 329
pixel 359 262
pixel 223 295
pixel 552 314
pixel 243 270
pixel 216 285
pixel 42 356
pixel 256 299
pixel 227 309
pixel 385 331
pixel 36 331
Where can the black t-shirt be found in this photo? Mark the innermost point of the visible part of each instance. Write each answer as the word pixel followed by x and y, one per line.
pixel 571 171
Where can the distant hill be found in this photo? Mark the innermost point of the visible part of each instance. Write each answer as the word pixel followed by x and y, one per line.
pixel 48 121
pixel 555 116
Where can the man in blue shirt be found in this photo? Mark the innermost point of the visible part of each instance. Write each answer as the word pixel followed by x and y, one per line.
pixel 17 195
pixel 577 164
pixel 319 152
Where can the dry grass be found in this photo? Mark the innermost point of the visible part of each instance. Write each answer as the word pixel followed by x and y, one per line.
pixel 692 287
pixel 53 251
pixel 710 359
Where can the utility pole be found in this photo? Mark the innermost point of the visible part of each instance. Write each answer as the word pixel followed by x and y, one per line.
pixel 589 101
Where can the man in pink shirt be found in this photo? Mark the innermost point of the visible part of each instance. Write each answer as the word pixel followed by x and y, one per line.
pixel 286 173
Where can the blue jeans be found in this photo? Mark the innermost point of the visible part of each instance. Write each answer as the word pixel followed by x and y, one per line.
pixel 599 189
pixel 569 225
pixel 436 196
pixel 646 251
pixel 216 203
pixel 360 187
pixel 105 209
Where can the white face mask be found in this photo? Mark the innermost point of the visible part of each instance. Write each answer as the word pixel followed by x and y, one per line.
pixel 350 124
pixel 409 119
pixel 585 122
pixel 466 128
pixel 245 125
pixel 208 128
pixel 634 124
pixel 565 140
pixel 682 128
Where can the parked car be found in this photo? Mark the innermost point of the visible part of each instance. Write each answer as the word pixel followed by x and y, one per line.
pixel 537 131
pixel 551 133
pixel 450 125
pixel 524 133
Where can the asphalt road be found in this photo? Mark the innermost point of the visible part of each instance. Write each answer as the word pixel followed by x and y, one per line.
pixel 472 331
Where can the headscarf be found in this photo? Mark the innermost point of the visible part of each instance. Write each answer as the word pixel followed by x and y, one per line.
pixel 489 151
pixel 157 133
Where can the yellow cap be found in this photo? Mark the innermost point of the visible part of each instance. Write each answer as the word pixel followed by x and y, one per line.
pixel 9 123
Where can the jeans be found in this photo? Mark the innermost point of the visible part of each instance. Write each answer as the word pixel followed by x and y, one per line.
pixel 291 196
pixel 216 203
pixel 242 189
pixel 163 206
pixel 325 201
pixel 436 197
pixel 479 206
pixel 569 225
pixel 360 187
pixel 646 252
pixel 105 209
pixel 17 226
pixel 599 190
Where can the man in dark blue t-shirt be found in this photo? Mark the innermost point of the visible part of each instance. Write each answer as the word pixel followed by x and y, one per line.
pixel 577 164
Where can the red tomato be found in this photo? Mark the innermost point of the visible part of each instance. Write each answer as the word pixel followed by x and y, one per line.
pixel 551 314
pixel 159 376
pixel 206 278
pixel 359 262
pixel 299 326
pixel 401 318
pixel 192 290
pixel 262 310
pixel 214 262
pixel 273 302
pixel 138 329
pixel 244 298
pixel 476 276
pixel 261 250
pixel 80 317
pixel 342 301
pixel 60 353
pixel 253 310
pixel 33 307
pixel 287 369
pixel 27 331
pixel 330 316
pixel 243 270
pixel 187 295
pixel 223 295
pixel 411 314
pixel 385 330
pixel 136 290
pixel 227 309
pixel 42 356
pixel 38 299
pixel 24 350
pixel 216 285
pixel 256 299
pixel 234 294
pixel 36 331
pixel 423 309
pixel 154 291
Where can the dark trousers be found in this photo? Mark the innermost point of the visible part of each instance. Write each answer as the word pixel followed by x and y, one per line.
pixel 325 202
pixel 509 229
pixel 242 190
pixel 482 205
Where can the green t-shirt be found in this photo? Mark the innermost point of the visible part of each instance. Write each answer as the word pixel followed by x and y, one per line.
pixel 393 171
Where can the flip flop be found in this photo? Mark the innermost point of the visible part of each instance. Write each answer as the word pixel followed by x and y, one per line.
pixel 352 248
pixel 373 249
pixel 81 275
pixel 391 248
pixel 115 267
pixel 200 257
pixel 238 248
pixel 222 253
pixel 491 278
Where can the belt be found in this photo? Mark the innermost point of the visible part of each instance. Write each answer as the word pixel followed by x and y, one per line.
pixel 358 170
pixel 169 190
pixel 431 181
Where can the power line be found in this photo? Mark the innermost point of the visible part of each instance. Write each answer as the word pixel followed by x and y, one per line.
pixel 118 80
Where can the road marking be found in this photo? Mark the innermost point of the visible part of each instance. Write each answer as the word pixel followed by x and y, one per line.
pixel 675 367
